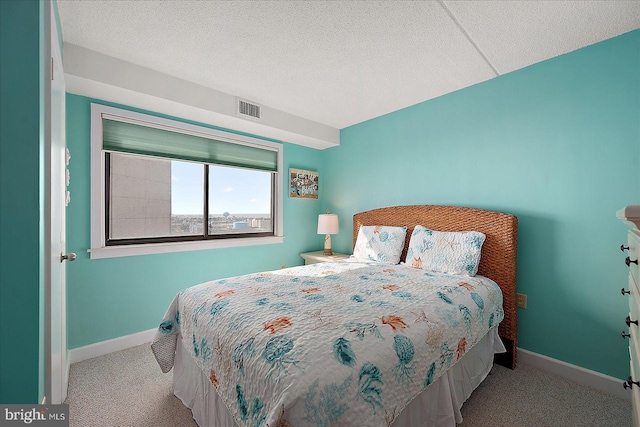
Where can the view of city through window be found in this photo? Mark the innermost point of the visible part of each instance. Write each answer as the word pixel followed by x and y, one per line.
pixel 159 198
pixel 239 200
pixel 226 223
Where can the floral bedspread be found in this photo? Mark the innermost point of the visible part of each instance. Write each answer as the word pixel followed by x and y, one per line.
pixel 348 343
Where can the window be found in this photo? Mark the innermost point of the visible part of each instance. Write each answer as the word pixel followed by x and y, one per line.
pixel 160 185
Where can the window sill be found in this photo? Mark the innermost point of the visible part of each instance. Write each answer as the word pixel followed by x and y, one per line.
pixel 162 248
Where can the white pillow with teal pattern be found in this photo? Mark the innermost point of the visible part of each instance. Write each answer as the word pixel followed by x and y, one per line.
pixel 381 244
pixel 445 252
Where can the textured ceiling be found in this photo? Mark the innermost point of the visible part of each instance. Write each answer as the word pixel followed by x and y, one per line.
pixel 340 62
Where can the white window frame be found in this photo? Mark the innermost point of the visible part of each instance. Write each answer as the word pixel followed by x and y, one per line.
pixel 98 247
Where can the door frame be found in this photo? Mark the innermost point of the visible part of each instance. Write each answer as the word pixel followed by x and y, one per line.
pixel 56 353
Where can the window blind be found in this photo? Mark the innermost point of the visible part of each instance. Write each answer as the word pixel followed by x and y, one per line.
pixel 139 139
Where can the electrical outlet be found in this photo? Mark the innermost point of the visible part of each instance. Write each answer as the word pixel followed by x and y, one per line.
pixel 521 301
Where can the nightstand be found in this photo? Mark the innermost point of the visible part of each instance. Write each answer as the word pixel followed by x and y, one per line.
pixel 319 256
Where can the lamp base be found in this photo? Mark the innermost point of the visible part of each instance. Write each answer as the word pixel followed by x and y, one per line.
pixel 327 245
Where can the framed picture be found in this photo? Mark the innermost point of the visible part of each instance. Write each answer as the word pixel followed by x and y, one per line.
pixel 303 184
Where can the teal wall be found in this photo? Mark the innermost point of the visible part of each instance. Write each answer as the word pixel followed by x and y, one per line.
pixel 558 145
pixel 21 202
pixel 109 298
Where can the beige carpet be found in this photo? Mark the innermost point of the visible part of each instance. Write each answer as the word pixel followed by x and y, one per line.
pixel 127 389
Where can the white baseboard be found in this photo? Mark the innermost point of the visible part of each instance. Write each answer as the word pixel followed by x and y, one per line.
pixel 575 373
pixel 105 347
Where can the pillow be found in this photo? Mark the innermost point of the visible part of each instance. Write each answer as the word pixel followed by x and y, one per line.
pixel 380 243
pixel 445 252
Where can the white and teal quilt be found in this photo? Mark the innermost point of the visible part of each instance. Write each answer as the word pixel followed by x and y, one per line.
pixel 348 343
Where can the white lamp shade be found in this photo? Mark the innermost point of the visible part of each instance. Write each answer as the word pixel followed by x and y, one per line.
pixel 328 224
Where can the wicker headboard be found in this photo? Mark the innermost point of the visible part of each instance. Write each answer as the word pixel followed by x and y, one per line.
pixel 499 251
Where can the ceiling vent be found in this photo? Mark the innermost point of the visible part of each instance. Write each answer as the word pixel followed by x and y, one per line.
pixel 249 109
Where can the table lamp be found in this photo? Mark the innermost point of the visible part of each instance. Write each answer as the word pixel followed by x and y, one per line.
pixel 328 225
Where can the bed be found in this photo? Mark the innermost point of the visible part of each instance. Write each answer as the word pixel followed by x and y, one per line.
pixel 363 342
